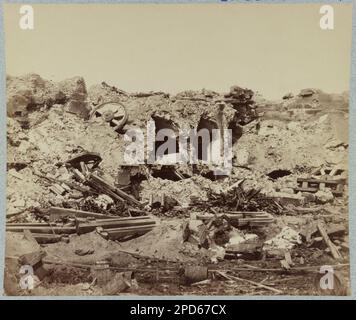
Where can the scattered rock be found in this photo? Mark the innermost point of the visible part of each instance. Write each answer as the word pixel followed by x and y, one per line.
pixel 285 240
pixel 242 157
pixel 324 196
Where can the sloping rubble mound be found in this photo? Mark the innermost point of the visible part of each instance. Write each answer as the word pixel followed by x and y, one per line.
pixel 184 191
pixel 166 242
pixel 295 146
pixel 31 92
pixel 287 186
pixel 44 133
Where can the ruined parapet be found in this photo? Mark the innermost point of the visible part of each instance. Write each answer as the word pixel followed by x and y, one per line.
pixel 242 102
pixel 31 92
pixel 76 93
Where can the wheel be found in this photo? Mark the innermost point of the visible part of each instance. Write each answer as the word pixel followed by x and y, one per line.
pixel 111 112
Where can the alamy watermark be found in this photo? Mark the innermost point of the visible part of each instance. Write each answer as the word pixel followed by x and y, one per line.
pixel 188 146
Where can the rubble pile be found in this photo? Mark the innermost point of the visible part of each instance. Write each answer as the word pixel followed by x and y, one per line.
pixel 89 223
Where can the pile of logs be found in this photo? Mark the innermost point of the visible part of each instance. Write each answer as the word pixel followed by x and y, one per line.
pixel 80 222
pixel 242 218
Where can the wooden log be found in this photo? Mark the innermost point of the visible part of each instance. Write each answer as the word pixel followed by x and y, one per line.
pixel 43 238
pixel 334 251
pixel 122 232
pixel 79 175
pixel 27 224
pixel 70 184
pixel 246 213
pixel 262 219
pixel 83 168
pixel 47 229
pixel 56 212
pixel 133 228
pixel 124 219
pixel 233 216
pixel 119 192
pixel 105 190
pixel 250 282
pixel 91 226
pixel 57 189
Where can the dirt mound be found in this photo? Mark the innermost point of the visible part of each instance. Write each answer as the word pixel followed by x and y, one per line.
pixel 165 242
pixel 295 146
pixel 103 249
pixel 184 191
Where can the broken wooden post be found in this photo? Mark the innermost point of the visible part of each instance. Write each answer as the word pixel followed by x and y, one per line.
pixel 96 180
pixel 334 251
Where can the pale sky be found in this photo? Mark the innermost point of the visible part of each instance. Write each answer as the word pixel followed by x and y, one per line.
pixel 272 48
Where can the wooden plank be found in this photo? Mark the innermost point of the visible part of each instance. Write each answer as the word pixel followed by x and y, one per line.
pixel 309 189
pixel 57 212
pixel 129 231
pixel 133 228
pixel 246 213
pixel 29 224
pixel 47 238
pixel 334 251
pixel 91 226
pixel 78 175
pixel 232 216
pixel 121 193
pixel 314 190
pixel 320 181
pixel 49 229
pixel 305 184
pixel 105 190
pixel 124 219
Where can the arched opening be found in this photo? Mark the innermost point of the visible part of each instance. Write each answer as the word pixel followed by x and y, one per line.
pixel 166 134
pixel 205 147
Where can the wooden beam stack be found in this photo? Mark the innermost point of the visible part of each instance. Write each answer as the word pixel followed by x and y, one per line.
pixel 111 227
pixel 242 218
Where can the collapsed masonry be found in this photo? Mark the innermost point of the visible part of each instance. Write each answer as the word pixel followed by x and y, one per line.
pixel 75 200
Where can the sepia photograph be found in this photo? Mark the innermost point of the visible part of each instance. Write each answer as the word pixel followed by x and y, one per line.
pixel 177 149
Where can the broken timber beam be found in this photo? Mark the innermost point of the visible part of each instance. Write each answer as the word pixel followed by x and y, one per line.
pixel 118 233
pixel 101 182
pixel 334 251
pixel 56 212
pixel 105 190
pixel 43 238
pixel 43 229
pixel 91 226
pixel 254 220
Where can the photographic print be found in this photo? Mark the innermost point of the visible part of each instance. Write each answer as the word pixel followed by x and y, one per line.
pixel 177 149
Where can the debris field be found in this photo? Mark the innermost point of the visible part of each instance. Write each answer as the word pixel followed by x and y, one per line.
pixel 88 223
